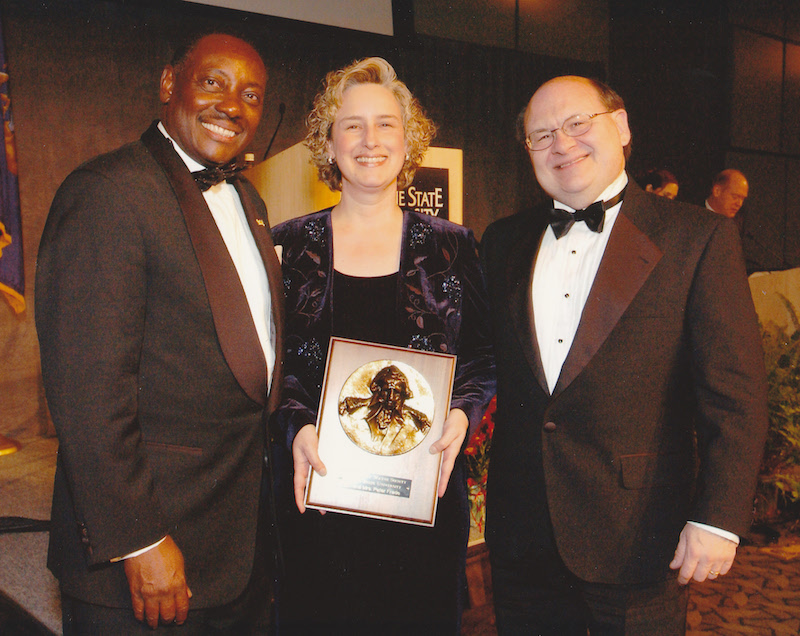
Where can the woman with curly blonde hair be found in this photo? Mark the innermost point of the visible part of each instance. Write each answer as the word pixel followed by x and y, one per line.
pixel 419 130
pixel 369 270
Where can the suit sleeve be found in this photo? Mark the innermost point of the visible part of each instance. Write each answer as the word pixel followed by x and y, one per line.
pixel 730 384
pixel 304 362
pixel 475 382
pixel 90 311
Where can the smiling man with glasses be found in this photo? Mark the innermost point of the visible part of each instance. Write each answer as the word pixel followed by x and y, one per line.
pixel 628 355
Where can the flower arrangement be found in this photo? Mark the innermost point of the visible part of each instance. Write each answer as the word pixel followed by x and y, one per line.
pixel 477 456
pixel 778 491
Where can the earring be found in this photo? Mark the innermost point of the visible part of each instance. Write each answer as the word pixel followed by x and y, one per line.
pixel 330 160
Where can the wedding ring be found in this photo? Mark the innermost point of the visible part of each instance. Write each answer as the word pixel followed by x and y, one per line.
pixel 712 573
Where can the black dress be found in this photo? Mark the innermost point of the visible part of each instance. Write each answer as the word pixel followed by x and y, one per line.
pixel 348 574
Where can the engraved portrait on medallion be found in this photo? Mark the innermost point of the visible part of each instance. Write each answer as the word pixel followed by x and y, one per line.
pixel 386 407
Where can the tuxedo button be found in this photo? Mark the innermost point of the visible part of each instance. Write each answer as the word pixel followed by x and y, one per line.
pixel 550 427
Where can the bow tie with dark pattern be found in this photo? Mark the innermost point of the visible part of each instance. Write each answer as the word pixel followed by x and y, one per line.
pixel 594 216
pixel 209 177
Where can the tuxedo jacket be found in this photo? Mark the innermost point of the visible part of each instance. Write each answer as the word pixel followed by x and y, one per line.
pixel 659 414
pixel 154 375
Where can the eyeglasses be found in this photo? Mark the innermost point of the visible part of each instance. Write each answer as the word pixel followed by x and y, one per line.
pixel 575 126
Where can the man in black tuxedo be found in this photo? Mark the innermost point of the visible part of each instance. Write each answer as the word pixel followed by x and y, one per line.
pixel 631 409
pixel 159 312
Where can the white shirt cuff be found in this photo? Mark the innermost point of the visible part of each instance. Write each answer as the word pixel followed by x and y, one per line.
pixel 138 552
pixel 718 531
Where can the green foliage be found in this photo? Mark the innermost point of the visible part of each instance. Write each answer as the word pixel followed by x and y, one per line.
pixel 779 478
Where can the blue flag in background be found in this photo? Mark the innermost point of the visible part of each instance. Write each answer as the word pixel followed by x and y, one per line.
pixel 12 270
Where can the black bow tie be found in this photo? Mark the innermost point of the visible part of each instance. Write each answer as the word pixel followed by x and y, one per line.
pixel 210 177
pixel 562 220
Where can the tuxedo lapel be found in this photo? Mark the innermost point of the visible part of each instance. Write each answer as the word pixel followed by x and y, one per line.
pixel 629 259
pixel 519 276
pixel 259 227
pixel 237 334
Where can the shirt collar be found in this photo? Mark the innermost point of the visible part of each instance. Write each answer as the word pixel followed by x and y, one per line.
pixel 614 188
pixel 193 165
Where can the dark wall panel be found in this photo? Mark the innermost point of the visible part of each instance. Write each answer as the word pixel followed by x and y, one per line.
pixel 763 214
pixel 793 21
pixel 765 16
pixel 790 137
pixel 791 243
pixel 669 65
pixel 757 82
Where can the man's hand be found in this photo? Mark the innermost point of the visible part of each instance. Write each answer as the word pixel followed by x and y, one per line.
pixel 453 434
pixel 702 554
pixel 158 587
pixel 305 451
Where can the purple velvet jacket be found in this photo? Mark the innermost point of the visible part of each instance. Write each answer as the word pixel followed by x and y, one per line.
pixel 441 294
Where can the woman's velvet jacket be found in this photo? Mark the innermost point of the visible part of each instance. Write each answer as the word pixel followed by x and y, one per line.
pixel 441 295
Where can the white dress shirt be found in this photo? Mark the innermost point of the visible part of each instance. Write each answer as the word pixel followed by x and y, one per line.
pixel 563 275
pixel 562 278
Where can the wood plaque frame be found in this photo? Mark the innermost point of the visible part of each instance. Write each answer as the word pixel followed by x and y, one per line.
pixel 366 477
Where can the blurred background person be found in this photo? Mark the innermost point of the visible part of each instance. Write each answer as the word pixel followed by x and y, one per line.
pixel 660 182
pixel 729 190
pixel 368 270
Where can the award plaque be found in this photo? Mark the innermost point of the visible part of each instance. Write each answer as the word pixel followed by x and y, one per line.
pixel 381 409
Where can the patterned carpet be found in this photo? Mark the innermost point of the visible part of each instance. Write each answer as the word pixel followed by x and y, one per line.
pixel 760 596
